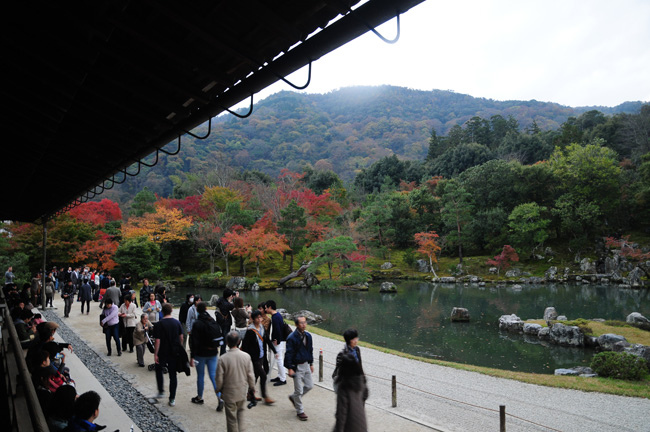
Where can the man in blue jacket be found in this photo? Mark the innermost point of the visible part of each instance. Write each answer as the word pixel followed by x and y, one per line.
pixel 299 361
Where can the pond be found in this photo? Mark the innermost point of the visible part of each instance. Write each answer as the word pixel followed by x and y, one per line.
pixel 416 319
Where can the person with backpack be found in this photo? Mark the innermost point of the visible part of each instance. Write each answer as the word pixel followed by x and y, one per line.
pixel 205 339
pixel 222 313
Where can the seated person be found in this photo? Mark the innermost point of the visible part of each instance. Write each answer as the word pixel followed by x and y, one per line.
pixel 60 409
pixel 25 327
pixel 86 410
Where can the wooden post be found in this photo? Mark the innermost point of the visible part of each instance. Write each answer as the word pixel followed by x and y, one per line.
pixel 394 384
pixel 320 366
pixel 502 418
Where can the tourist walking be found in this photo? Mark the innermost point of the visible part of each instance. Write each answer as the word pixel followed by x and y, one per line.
pixel 351 337
pixel 222 313
pixel 182 316
pixel 145 291
pixel 129 318
pixel 351 394
pixel 113 293
pixel 86 295
pixel 279 338
pixel 169 341
pixel 192 314
pixel 49 292
pixel 140 338
pixel 255 342
pixel 111 325
pixel 299 361
pixel 205 340
pixel 234 377
pixel 67 293
pixel 153 308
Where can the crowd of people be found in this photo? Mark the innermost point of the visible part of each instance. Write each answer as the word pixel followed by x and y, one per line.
pixel 238 346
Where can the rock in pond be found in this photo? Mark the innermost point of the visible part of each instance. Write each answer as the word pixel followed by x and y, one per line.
pixel 550 314
pixel 387 287
pixel 567 335
pixel 511 323
pixel 459 314
pixel 311 317
pixel 532 329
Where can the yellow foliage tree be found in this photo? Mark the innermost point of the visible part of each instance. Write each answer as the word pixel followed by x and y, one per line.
pixel 218 197
pixel 165 224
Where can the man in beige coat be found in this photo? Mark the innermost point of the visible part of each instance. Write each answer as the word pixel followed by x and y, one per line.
pixel 235 378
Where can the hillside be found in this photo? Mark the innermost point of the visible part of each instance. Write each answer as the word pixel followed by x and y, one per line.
pixel 344 130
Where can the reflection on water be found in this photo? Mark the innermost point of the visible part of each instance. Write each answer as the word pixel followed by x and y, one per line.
pixel 416 320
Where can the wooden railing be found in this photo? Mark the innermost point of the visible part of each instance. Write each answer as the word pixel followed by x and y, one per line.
pixel 20 410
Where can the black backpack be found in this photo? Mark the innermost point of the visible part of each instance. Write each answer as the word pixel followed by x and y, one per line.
pixel 286 330
pixel 211 334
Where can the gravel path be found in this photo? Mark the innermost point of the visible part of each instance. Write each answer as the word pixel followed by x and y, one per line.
pixel 428 396
pixel 476 398
pixel 134 403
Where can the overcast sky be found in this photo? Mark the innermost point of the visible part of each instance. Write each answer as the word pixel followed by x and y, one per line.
pixel 575 53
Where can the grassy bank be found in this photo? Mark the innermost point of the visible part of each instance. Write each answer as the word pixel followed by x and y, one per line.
pixel 602 385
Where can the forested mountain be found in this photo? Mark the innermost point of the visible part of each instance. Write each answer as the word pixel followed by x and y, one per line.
pixel 344 131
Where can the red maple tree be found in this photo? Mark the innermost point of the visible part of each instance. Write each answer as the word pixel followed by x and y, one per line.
pixel 502 261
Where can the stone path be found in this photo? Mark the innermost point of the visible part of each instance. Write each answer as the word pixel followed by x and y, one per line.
pixel 430 397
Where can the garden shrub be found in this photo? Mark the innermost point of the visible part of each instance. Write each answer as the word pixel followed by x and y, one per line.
pixel 189 281
pixel 619 365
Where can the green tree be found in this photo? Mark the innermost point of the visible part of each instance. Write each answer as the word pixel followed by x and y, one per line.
pixel 457 212
pixel 457 159
pixel 143 203
pixel 528 228
pixel 332 252
pixel 292 225
pixel 138 256
pixel 375 222
pixel 589 176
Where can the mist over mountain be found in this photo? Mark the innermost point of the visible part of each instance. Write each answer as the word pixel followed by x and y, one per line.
pixel 345 130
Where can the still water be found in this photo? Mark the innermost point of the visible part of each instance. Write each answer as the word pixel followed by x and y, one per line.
pixel 416 319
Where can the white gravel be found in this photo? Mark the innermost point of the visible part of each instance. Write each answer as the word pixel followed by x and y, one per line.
pixel 549 408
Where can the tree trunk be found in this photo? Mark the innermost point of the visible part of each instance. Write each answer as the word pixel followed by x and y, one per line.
pixel 257 266
pixel 227 265
pixel 291 262
pixel 295 274
pixel 431 267
pixel 211 263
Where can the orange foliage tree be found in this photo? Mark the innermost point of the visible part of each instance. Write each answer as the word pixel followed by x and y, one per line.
pixel 428 245
pixel 254 245
pixel 98 253
pixel 163 225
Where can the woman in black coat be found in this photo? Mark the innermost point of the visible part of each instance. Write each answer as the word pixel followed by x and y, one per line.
pixel 351 395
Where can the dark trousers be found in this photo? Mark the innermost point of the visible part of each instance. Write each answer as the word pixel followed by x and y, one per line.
pixel 68 305
pixel 112 332
pixel 87 303
pixel 127 338
pixel 48 299
pixel 260 373
pixel 225 329
pixel 171 369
